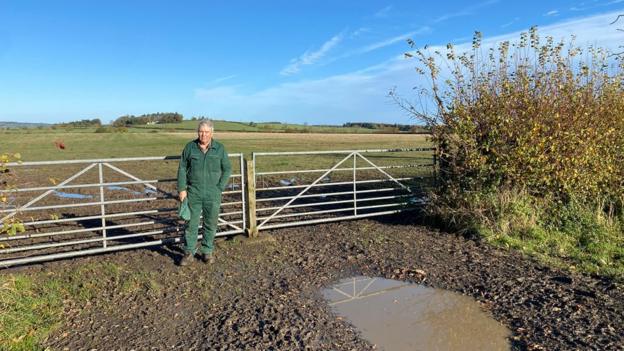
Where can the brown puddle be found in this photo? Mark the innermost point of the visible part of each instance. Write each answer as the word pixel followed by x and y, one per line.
pixel 396 315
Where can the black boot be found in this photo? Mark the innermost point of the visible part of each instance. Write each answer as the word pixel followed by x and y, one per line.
pixel 186 259
pixel 208 258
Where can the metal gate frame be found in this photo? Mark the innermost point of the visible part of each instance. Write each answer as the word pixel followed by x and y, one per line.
pixel 249 213
pixel 236 226
pixel 350 154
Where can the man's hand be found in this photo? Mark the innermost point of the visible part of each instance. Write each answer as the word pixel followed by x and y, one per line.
pixel 182 195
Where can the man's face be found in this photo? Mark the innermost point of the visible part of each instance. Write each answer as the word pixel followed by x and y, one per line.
pixel 204 134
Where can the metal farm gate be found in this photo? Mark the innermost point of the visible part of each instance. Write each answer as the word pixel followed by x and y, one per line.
pixel 94 206
pixel 299 188
pixel 82 207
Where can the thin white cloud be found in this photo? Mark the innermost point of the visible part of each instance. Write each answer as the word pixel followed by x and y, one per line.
pixel 223 79
pixel 461 39
pixel 451 15
pixel 310 58
pixel 470 10
pixel 587 30
pixel 552 13
pixel 393 40
pixel 362 95
pixel 382 43
pixel 505 25
pixel 583 6
pixel 383 13
pixel 356 33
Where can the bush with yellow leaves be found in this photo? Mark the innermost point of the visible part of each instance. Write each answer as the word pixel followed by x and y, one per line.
pixel 535 121
pixel 11 225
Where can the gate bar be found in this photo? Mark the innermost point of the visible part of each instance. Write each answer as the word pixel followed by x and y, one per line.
pixel 325 220
pixel 337 183
pixel 121 159
pixel 306 189
pixel 341 151
pixel 22 208
pixel 324 194
pixel 415 165
pixel 385 173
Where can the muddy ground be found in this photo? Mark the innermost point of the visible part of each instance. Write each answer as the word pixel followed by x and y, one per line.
pixel 264 293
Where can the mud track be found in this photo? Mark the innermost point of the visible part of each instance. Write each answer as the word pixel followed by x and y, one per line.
pixel 264 293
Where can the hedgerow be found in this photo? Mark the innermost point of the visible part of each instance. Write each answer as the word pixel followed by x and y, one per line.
pixel 530 136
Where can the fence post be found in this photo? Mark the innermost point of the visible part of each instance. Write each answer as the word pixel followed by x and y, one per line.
pixel 435 167
pixel 354 185
pixel 103 211
pixel 250 195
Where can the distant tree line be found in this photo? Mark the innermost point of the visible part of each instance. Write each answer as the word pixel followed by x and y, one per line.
pixel 199 118
pixel 151 118
pixel 388 127
pixel 84 123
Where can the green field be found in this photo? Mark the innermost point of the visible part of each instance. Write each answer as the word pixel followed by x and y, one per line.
pixel 39 146
pixel 223 126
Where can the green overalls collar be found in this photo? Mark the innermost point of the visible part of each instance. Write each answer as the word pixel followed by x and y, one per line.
pixel 212 145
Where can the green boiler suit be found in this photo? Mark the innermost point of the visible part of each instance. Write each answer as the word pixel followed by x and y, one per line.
pixel 204 176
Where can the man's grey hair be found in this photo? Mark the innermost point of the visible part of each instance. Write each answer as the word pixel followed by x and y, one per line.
pixel 206 123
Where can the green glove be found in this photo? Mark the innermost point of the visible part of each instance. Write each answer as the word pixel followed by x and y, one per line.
pixel 184 211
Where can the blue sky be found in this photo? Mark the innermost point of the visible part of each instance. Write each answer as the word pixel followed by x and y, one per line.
pixel 319 62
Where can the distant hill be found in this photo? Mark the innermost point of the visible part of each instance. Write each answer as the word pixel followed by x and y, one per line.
pixel 281 127
pixel 22 125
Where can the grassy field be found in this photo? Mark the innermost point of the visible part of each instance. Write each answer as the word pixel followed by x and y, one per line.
pixel 223 126
pixel 81 145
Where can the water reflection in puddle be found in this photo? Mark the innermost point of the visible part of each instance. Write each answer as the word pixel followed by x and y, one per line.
pixel 396 315
pixel 71 195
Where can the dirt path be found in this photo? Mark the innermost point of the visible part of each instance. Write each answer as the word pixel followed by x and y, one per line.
pixel 264 294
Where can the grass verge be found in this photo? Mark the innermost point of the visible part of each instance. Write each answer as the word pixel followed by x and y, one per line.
pixel 580 237
pixel 33 305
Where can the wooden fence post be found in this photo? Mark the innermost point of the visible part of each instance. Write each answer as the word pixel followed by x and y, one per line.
pixel 250 195
pixel 435 167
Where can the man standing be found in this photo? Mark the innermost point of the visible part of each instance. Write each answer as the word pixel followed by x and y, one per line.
pixel 203 173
